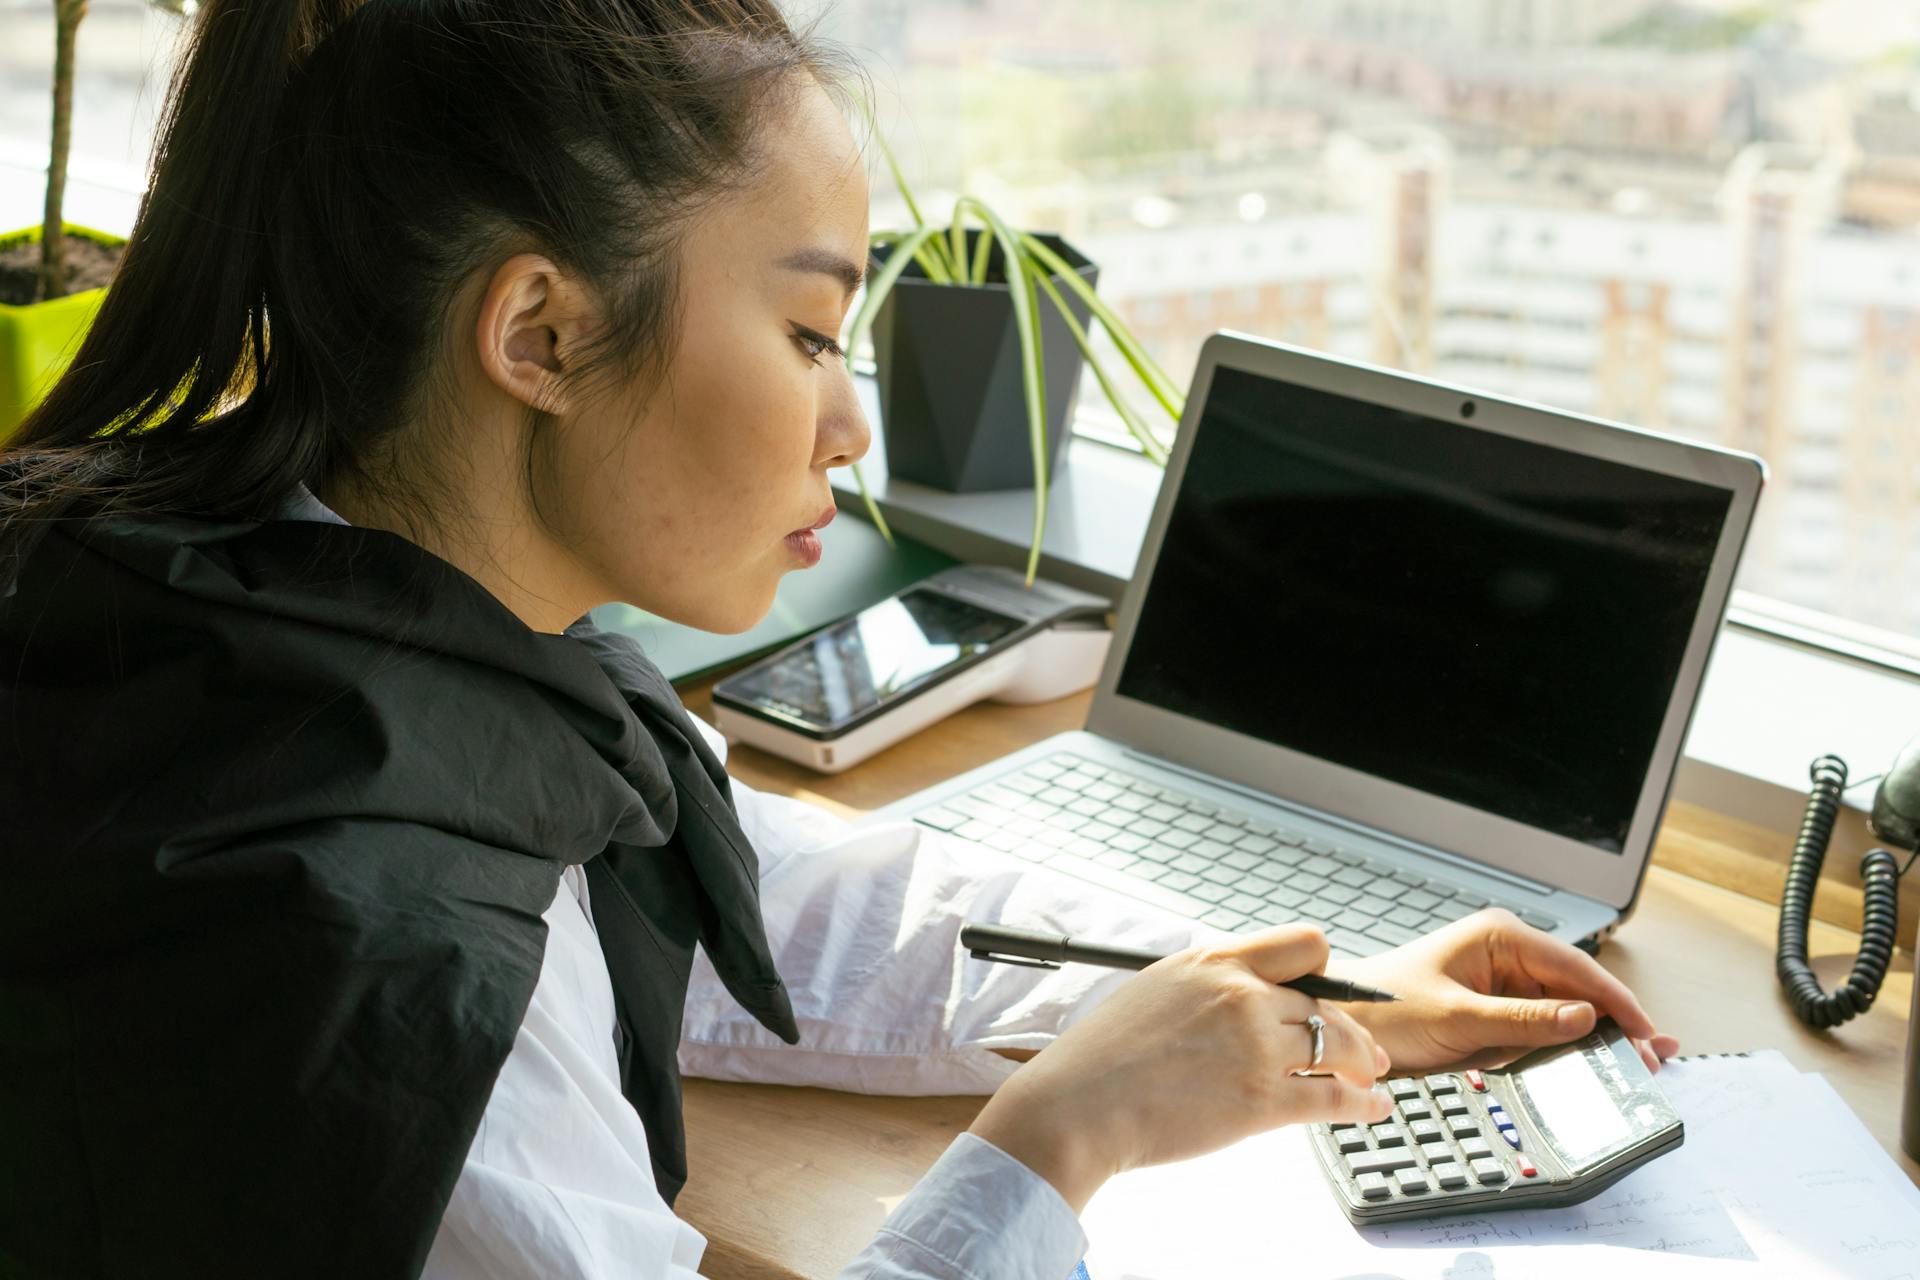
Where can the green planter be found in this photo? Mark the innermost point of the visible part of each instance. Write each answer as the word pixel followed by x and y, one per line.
pixel 38 341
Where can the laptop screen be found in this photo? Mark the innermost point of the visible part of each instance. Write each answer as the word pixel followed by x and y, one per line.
pixel 1492 621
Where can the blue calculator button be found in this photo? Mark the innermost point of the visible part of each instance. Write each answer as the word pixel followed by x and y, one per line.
pixel 1512 1135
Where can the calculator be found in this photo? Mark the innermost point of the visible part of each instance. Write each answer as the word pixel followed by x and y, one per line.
pixel 1550 1129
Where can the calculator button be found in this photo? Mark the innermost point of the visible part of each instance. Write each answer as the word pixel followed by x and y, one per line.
pixel 1413 1182
pixel 1452 1104
pixel 1475 1148
pixel 1373 1186
pixel 1490 1172
pixel 1350 1140
pixel 1426 1131
pixel 1512 1135
pixel 1449 1175
pixel 1438 1085
pixel 1388 1135
pixel 1477 1082
pixel 1526 1166
pixel 1404 1088
pixel 1361 1162
pixel 1464 1126
pixel 1415 1109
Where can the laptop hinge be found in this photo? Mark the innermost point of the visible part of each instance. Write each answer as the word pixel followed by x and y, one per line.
pixel 1320 815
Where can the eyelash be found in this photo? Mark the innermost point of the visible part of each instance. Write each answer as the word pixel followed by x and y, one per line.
pixel 815 344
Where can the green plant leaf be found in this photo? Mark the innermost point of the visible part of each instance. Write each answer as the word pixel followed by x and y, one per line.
pixel 1150 373
pixel 873 508
pixel 981 248
pixel 1136 425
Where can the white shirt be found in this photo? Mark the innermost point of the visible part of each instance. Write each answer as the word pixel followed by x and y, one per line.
pixel 865 926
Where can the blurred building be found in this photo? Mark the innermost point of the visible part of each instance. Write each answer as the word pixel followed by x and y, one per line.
pixel 1771 325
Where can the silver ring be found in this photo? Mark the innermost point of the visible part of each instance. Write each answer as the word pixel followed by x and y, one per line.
pixel 1318 1025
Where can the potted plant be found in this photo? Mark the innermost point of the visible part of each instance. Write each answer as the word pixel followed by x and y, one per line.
pixel 53 276
pixel 953 310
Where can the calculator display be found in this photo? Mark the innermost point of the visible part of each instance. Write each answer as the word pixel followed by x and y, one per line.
pixel 879 654
pixel 1576 1109
pixel 1590 1107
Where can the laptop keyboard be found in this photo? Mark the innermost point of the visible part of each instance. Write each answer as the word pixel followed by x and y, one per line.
pixel 1202 860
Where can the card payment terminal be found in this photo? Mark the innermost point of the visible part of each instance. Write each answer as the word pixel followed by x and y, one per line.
pixel 1551 1129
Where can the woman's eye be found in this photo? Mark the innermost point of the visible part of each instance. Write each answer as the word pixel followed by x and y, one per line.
pixel 814 344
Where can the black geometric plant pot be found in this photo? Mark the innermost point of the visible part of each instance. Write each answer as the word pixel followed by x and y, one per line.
pixel 952 401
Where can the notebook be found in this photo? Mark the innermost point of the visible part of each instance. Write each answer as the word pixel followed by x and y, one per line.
pixel 1777 1180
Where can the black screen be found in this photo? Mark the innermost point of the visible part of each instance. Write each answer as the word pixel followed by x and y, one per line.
pixel 1488 620
pixel 848 669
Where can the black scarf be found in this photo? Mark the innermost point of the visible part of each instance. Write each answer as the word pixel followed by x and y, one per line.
pixel 281 806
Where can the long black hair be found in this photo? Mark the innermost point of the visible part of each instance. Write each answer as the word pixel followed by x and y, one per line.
pixel 328 173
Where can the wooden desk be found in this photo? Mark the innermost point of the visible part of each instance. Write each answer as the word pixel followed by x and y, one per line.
pixel 792 1182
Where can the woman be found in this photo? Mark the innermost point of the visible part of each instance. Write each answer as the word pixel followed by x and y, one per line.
pixel 354 881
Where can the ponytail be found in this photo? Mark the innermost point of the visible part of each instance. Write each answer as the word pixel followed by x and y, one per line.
pixel 184 324
pixel 327 174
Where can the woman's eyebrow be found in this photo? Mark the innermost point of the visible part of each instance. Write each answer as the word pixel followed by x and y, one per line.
pixel 826 262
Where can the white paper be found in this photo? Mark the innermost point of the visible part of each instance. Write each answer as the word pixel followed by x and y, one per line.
pixel 1777 1178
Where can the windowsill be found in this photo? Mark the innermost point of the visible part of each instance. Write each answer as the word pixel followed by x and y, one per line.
pixel 1768 706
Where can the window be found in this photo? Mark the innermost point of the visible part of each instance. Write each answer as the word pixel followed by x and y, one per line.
pixel 125 56
pixel 1627 149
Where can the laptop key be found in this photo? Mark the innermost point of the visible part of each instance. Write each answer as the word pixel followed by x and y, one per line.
pixel 1223 918
pixel 1367 904
pixel 1097 830
pixel 1101 791
pixel 1353 920
pixel 1353 877
pixel 1239 859
pixel 1219 874
pixel 1472 900
pixel 1339 893
pixel 1347 857
pixel 1406 917
pixel 1306 881
pixel 1162 811
pixel 1245 903
pixel 1257 885
pixel 1223 831
pixel 1256 844
pixel 1538 919
pixel 1179 839
pixel 1212 850
pixel 1354 944
pixel 1321 865
pixel 1189 863
pixel 1410 880
pixel 1194 822
pixel 1127 840
pixel 1212 894
pixel 1282 896
pixel 1178 881
pixel 1448 912
pixel 1391 934
pixel 1387 889
pixel 1287 857
pixel 1420 900
pixel 1118 859
pixel 940 818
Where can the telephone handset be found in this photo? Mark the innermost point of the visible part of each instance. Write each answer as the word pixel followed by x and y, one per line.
pixel 1896 820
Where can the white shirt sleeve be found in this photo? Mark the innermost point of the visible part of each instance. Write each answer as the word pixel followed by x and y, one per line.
pixel 865 928
pixel 558 1186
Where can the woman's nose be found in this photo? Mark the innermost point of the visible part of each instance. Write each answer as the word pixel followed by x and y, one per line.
pixel 844 433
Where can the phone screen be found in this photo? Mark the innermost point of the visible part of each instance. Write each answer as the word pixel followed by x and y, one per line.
pixel 847 670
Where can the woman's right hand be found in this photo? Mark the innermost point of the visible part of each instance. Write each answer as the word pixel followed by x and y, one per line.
pixel 1195 1052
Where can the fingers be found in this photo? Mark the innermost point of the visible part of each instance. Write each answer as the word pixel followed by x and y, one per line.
pixel 1511 1020
pixel 1282 952
pixel 1349 1052
pixel 1567 971
pixel 1334 1100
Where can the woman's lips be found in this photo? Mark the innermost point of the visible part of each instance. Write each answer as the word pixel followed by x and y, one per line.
pixel 806 543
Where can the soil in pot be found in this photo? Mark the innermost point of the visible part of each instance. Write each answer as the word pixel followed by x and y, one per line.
pixel 90 265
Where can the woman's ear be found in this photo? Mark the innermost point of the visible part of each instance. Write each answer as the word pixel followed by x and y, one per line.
pixel 532 319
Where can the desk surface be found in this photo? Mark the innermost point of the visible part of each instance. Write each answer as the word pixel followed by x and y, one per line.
pixel 792 1182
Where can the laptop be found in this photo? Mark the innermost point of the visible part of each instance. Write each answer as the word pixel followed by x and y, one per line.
pixel 1394 650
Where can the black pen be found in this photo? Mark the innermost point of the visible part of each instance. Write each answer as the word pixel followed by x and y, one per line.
pixel 1050 950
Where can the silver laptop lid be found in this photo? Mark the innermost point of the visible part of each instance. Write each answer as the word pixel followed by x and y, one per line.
pixel 1473 622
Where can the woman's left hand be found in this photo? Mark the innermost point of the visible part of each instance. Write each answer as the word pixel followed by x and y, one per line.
pixel 1487 988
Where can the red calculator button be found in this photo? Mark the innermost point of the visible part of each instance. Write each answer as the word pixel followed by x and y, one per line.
pixel 1477 1081
pixel 1527 1168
